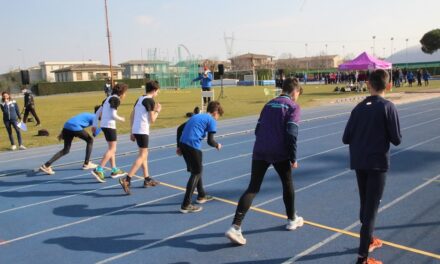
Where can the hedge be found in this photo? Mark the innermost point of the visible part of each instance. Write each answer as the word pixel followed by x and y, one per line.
pixel 48 88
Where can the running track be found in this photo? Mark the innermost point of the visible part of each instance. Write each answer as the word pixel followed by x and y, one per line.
pixel 70 218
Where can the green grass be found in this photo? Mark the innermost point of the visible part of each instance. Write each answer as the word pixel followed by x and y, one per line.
pixel 238 101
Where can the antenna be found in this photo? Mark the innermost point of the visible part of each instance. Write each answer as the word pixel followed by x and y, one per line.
pixel 229 43
pixel 109 44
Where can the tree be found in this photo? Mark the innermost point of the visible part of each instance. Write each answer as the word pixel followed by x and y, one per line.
pixel 431 41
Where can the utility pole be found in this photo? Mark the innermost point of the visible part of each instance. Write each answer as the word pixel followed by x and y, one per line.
pixel 109 44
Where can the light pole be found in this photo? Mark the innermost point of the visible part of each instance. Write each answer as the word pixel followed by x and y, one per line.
pixel 392 44
pixel 374 45
pixel 307 62
pixel 406 51
pixel 326 49
pixel 383 52
pixel 343 51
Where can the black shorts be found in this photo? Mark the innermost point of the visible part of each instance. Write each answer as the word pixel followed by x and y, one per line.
pixel 110 134
pixel 142 140
pixel 193 158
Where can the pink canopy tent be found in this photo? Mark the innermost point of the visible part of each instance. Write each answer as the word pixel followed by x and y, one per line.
pixel 365 62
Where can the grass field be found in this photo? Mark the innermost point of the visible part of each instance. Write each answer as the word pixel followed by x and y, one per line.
pixel 237 101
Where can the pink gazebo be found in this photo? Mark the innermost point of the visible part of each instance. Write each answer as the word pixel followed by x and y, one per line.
pixel 365 62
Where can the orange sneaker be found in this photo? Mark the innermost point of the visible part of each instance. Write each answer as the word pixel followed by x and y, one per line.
pixel 375 243
pixel 371 261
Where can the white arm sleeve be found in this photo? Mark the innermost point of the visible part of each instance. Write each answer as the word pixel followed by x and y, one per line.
pixel 97 115
pixel 115 115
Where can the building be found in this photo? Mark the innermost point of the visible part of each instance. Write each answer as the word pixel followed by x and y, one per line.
pixel 86 72
pixel 251 61
pixel 310 63
pixel 136 69
pixel 48 67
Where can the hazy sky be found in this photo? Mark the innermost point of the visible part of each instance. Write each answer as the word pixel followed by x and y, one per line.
pixel 53 30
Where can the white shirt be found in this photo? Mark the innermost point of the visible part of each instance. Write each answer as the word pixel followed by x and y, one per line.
pixel 141 118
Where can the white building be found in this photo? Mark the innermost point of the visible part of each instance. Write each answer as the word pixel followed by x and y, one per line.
pixel 136 69
pixel 77 73
pixel 48 67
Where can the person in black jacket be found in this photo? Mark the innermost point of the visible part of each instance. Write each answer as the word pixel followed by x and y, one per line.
pixel 29 106
pixel 11 116
pixel 372 126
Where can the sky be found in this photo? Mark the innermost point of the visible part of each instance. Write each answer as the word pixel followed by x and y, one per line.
pixel 59 30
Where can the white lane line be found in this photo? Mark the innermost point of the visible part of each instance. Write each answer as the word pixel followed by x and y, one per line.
pixel 353 225
pixel 110 186
pixel 239 156
pixel 109 213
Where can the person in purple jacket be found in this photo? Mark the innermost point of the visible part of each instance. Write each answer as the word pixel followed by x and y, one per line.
pixel 276 136
pixel 372 126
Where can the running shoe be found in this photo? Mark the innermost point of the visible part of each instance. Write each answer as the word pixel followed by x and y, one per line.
pixel 295 223
pixel 234 234
pixel 21 147
pixel 125 185
pixel 150 182
pixel 117 173
pixel 89 166
pixel 47 170
pixel 13 147
pixel 375 243
pixel 371 261
pixel 206 198
pixel 99 175
pixel 191 209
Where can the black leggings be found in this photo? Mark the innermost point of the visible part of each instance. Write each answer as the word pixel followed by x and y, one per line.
pixel 68 136
pixel 206 99
pixel 32 111
pixel 9 124
pixel 193 159
pixel 371 184
pixel 259 168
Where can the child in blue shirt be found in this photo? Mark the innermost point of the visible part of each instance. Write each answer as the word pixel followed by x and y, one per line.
pixel 190 145
pixel 74 127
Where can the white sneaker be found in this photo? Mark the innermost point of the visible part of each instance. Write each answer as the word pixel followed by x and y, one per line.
pixel 294 224
pixel 13 147
pixel 235 236
pixel 90 166
pixel 22 147
pixel 47 170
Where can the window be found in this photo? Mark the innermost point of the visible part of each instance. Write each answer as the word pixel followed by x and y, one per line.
pixel 135 68
pixel 91 77
pixel 79 76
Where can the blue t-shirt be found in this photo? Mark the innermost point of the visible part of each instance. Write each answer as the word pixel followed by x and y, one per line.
pixel 79 122
pixel 197 128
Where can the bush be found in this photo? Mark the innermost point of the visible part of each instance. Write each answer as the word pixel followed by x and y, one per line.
pixel 48 88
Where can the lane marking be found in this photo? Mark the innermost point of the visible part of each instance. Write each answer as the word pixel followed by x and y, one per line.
pixel 346 232
pixel 125 140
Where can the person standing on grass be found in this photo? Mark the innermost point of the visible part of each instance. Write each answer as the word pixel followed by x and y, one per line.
pixel 275 144
pixel 74 127
pixel 29 106
pixel 144 113
pixel 11 116
pixel 372 126
pixel 109 114
pixel 205 79
pixel 189 146
pixel 426 77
